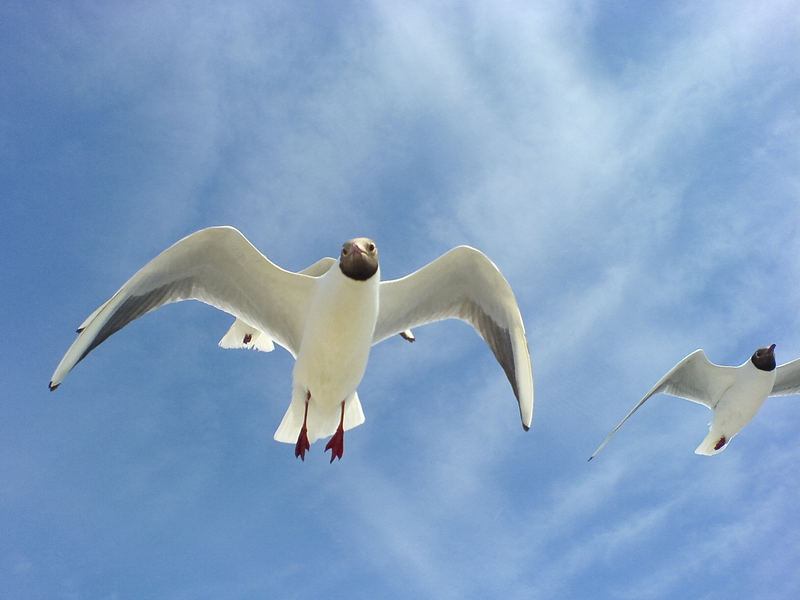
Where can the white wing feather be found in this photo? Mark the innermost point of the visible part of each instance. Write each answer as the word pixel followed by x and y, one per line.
pixel 217 266
pixel 787 379
pixel 463 284
pixel 244 335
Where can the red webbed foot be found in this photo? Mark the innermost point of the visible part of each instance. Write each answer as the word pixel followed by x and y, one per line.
pixel 302 439
pixel 302 444
pixel 336 443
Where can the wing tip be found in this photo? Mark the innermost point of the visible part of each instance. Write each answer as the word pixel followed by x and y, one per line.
pixel 600 447
pixel 408 335
pixel 53 386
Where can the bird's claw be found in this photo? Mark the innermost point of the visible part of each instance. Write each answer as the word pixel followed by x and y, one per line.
pixel 336 444
pixel 302 444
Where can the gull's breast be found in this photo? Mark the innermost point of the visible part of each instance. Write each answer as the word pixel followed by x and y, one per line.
pixel 745 397
pixel 337 337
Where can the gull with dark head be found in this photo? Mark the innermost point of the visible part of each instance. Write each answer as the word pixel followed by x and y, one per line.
pixel 734 394
pixel 327 318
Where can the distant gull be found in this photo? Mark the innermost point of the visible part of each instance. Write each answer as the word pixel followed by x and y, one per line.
pixel 327 318
pixel 734 394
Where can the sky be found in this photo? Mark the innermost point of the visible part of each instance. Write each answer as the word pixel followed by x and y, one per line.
pixel 632 168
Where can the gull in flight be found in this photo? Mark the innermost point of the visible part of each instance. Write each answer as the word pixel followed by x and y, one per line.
pixel 734 394
pixel 242 335
pixel 327 317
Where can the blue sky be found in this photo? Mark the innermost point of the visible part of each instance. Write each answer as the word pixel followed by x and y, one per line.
pixel 632 168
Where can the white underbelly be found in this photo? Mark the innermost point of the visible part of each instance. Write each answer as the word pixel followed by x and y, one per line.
pixel 337 339
pixel 740 404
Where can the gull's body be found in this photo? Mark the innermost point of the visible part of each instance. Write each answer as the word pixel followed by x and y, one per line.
pixel 244 335
pixel 738 404
pixel 734 394
pixel 327 317
pixel 333 356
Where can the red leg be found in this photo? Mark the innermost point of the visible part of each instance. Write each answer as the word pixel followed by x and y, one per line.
pixel 336 443
pixel 302 439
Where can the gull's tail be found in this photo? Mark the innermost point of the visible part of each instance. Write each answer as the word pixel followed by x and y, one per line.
pixel 323 419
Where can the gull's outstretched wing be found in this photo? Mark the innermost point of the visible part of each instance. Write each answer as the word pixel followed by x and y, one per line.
pixel 694 378
pixel 787 379
pixel 463 284
pixel 319 268
pixel 244 335
pixel 217 266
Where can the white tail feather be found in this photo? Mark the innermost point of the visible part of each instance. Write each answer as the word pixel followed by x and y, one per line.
pixel 322 420
pixel 708 446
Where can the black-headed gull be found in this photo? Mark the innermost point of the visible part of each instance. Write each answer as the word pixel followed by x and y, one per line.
pixel 327 321
pixel 734 394
pixel 244 335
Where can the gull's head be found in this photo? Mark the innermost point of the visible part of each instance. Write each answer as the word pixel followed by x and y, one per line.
pixel 359 258
pixel 764 358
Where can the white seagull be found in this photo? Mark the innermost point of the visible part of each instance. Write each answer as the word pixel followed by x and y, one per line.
pixel 244 335
pixel 734 394
pixel 327 318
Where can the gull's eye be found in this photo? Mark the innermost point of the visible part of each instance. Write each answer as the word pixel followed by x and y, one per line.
pixel 371 247
pixel 344 250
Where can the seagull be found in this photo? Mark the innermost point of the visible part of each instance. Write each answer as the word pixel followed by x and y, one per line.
pixel 244 335
pixel 328 318
pixel 734 394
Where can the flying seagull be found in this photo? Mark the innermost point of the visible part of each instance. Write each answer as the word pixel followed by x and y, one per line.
pixel 327 318
pixel 244 335
pixel 734 394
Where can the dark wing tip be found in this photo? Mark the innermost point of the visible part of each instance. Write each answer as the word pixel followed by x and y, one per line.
pixel 526 427
pixel 408 336
pixel 79 330
pixel 53 387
